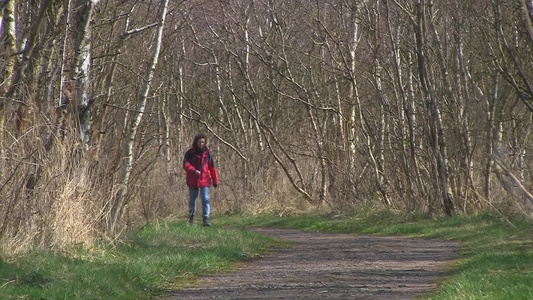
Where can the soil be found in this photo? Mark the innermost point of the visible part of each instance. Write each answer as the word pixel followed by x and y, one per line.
pixel 334 266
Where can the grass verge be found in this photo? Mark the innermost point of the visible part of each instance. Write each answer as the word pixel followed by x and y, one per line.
pixel 158 257
pixel 496 261
pixel 496 258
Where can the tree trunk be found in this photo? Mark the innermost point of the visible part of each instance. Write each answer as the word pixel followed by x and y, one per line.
pixel 527 15
pixel 119 200
pixel 437 138
pixel 8 38
pixel 82 67
pixel 379 161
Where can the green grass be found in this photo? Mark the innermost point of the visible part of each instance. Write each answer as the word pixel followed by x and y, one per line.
pixel 158 257
pixel 496 258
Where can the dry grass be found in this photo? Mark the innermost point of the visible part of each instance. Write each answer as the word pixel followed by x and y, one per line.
pixel 75 216
pixel 53 203
pixel 60 198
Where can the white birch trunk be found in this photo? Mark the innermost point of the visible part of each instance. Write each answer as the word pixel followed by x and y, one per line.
pixel 82 68
pixel 165 142
pixel 352 134
pixel 119 200
pixel 9 62
pixel 179 101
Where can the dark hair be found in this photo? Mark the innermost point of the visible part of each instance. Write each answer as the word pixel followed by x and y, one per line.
pixel 199 136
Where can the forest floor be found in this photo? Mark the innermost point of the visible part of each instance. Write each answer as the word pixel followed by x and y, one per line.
pixel 333 266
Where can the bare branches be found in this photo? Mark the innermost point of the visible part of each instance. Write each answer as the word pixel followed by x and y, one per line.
pixel 338 102
pixel 219 137
pixel 514 182
pixel 523 86
pixel 527 16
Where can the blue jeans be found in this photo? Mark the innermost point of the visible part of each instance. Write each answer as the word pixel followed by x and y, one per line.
pixel 193 196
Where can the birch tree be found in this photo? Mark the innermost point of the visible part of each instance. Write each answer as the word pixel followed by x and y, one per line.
pixel 119 200
pixel 82 67
pixel 8 40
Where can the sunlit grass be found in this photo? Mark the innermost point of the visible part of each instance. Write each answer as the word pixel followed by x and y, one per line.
pixel 158 257
pixel 496 257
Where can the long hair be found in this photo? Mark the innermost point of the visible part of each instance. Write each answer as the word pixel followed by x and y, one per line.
pixel 197 137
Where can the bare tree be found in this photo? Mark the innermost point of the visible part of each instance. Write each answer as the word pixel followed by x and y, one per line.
pixel 82 67
pixel 8 40
pixel 417 105
pixel 119 200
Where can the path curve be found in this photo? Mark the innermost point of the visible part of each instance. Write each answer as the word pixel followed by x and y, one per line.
pixel 334 266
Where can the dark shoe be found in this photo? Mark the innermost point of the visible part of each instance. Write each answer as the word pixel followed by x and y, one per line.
pixel 206 222
pixel 191 220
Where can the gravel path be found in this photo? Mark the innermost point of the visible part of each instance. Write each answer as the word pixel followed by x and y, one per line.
pixel 334 266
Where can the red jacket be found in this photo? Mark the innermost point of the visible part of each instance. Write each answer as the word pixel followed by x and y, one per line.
pixel 201 160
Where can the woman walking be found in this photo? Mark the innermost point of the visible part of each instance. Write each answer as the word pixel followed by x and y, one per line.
pixel 201 173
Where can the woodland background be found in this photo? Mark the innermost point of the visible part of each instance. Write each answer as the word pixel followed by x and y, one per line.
pixel 419 106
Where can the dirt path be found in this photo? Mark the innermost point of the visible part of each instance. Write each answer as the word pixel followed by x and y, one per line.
pixel 334 266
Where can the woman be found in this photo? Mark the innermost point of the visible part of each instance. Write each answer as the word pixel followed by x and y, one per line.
pixel 201 173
